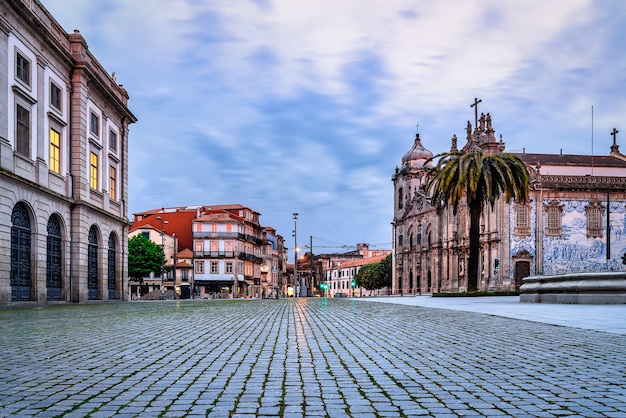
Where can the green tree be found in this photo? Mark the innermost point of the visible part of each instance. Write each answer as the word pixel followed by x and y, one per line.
pixel 144 257
pixel 365 277
pixel 383 272
pixel 375 276
pixel 477 179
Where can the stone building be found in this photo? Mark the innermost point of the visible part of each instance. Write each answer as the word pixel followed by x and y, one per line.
pixel 63 164
pixel 575 221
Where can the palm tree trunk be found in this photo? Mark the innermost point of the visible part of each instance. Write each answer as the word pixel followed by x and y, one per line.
pixel 474 247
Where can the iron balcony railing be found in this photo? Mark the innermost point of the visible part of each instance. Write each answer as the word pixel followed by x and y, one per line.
pixel 228 254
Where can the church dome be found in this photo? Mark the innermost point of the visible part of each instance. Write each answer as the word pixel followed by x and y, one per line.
pixel 417 155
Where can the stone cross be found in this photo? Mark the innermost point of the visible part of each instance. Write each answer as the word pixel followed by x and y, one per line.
pixel 614 134
pixel 475 106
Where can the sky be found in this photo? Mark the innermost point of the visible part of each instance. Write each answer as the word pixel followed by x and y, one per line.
pixel 288 106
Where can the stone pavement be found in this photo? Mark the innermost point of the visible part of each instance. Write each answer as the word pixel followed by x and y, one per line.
pixel 608 318
pixel 302 357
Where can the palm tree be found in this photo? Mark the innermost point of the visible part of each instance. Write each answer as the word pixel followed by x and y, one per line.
pixel 477 178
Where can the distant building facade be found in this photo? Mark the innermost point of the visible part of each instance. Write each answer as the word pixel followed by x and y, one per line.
pixel 340 269
pixel 273 269
pixel 63 164
pixel 575 221
pixel 153 281
pixel 222 249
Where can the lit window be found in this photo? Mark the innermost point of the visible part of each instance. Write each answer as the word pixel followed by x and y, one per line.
pixel 113 183
pixel 112 140
pixel 22 68
pixel 55 151
pixel 93 171
pixel 94 124
pixel 22 130
pixel 55 96
pixel 229 228
pixel 214 228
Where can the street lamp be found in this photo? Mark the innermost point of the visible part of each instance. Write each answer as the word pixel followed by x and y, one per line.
pixel 174 269
pixel 296 283
pixel 163 223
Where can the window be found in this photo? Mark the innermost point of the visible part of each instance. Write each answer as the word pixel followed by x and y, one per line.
pixel 594 211
pixel 229 228
pixel 146 235
pixel 55 96
pixel 55 151
pixel 229 267
pixel 214 267
pixel 214 228
pixel 214 246
pixel 554 213
pixel 199 246
pixel 199 267
pixel 522 221
pixel 228 246
pixel 462 222
pixel 22 68
pixel 113 183
pixel 93 171
pixel 94 124
pixel 112 140
pixel 400 198
pixel 184 273
pixel 22 130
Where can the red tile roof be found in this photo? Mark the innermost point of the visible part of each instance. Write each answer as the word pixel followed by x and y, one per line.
pixel 179 219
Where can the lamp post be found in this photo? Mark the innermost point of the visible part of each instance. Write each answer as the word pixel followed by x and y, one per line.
pixel 163 223
pixel 174 269
pixel 296 282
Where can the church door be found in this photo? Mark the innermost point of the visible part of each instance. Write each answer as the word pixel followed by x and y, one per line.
pixel 522 269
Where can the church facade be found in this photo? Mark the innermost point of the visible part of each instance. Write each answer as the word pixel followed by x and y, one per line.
pixel 574 221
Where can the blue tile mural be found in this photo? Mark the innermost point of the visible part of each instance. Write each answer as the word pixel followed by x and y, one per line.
pixel 573 252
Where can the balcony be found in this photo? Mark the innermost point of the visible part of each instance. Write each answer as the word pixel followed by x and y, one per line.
pixel 214 254
pixel 218 235
pixel 250 257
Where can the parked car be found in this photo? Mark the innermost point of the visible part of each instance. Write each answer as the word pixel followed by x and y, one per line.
pixel 341 295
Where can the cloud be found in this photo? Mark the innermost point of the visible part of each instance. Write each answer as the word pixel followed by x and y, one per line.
pixel 308 106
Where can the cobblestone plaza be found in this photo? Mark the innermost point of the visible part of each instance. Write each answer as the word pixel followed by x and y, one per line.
pixel 301 357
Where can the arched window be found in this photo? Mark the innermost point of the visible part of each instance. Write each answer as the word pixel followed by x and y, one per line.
pixel 595 212
pixel 554 219
pixel 20 254
pixel 112 267
pixel 522 220
pixel 92 264
pixel 53 259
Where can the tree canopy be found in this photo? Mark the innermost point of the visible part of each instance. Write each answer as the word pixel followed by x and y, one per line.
pixel 476 179
pixel 144 257
pixel 375 276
